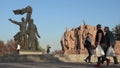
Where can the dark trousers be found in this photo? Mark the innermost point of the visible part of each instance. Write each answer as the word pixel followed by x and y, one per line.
pixel 114 57
pixel 103 58
pixel 90 52
pixel 18 51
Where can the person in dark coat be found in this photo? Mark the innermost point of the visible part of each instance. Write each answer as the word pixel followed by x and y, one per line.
pixel 48 49
pixel 110 41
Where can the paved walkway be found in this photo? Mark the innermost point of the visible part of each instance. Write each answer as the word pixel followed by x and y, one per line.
pixel 47 61
pixel 53 65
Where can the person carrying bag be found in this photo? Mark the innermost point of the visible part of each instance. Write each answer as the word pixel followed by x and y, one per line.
pixel 110 52
pixel 100 42
pixel 99 51
pixel 110 42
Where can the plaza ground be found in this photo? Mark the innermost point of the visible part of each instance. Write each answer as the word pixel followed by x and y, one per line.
pixel 53 65
pixel 50 61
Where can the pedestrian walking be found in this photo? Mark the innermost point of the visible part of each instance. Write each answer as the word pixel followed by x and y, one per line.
pixel 48 49
pixel 89 48
pixel 110 42
pixel 18 49
pixel 100 41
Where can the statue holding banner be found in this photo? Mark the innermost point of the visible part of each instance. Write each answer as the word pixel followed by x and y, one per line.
pixel 26 37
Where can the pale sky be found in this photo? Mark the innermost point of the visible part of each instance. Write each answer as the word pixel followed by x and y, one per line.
pixel 53 16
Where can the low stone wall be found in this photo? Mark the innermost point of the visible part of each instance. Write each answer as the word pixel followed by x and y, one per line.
pixel 117 47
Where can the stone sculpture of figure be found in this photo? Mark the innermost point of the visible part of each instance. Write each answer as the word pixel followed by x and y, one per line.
pixel 77 44
pixel 92 31
pixel 32 35
pixel 80 46
pixel 20 36
pixel 84 33
pixel 27 10
pixel 67 38
pixel 62 42
pixel 72 40
pixel 80 33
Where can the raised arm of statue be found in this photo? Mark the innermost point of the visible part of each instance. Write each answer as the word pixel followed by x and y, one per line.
pixel 27 10
pixel 28 17
pixel 14 22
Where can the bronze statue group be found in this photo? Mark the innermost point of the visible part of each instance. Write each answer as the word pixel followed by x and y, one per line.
pixel 103 39
pixel 27 36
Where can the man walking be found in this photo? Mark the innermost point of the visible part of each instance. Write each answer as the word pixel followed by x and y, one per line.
pixel 100 41
pixel 110 41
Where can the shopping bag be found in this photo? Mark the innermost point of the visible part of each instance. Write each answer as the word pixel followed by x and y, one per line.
pixel 110 51
pixel 99 51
